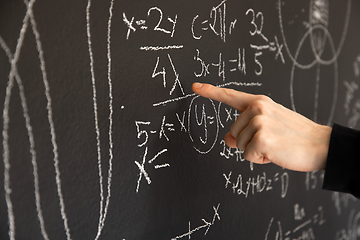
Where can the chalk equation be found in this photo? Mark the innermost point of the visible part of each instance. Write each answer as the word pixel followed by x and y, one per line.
pixel 183 57
pixel 304 229
pixel 202 123
pixel 243 186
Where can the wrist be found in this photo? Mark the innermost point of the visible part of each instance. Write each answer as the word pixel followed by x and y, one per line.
pixel 322 147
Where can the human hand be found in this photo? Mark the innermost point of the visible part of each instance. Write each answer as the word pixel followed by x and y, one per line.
pixel 268 132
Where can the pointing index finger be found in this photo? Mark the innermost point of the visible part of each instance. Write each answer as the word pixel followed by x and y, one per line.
pixel 233 98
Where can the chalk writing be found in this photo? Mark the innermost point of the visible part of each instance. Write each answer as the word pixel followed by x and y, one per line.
pixel 303 231
pixel 157 27
pixel 351 88
pixel 352 231
pixel 356 66
pixel 141 166
pixel 341 201
pixel 355 114
pixel 143 135
pixel 258 184
pixel 206 225
pixel 141 24
pixel 163 73
pixel 229 152
pixel 319 35
pixel 205 142
pixel 313 179
pixel 204 66
pixel 299 213
pixel 178 115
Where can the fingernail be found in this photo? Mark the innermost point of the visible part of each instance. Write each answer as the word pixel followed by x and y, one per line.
pixel 197 85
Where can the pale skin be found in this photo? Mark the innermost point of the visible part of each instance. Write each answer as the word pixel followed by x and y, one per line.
pixel 268 132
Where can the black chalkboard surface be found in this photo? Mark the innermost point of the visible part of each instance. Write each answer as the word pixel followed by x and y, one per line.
pixel 102 137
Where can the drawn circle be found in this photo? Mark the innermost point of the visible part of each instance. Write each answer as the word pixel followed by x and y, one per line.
pixel 317 57
pixel 327 36
pixel 332 46
pixel 312 39
pixel 210 130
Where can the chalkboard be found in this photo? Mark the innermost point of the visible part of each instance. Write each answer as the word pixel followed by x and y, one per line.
pixel 102 137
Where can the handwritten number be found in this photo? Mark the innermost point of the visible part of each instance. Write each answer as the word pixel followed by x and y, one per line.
pixel 142 132
pixel 163 72
pixel 257 30
pixel 253 21
pixel 259 72
pixel 157 27
pixel 262 22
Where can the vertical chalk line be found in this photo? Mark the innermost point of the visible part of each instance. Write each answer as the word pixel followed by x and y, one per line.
pixel 50 119
pixel 103 211
pixel 6 121
pixel 6 156
pixel 31 140
pixel 102 221
pixel 95 112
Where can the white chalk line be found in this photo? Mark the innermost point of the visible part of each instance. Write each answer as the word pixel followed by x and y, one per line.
pixel 174 100
pixel 97 130
pixel 51 121
pixel 342 40
pixel 189 125
pixel 102 222
pixel 157 155
pixel 103 209
pixel 159 48
pixel 6 156
pixel 6 121
pixel 302 225
pixel 162 166
pixel 142 171
pixel 250 84
pixel 95 111
pixel 31 140
pixel 268 230
pixel 206 224
pixel 317 57
pixel 332 112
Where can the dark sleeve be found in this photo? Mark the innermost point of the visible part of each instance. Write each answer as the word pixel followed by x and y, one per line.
pixel 342 171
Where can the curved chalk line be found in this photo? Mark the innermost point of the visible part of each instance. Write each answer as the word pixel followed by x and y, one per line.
pixel 31 139
pixel 50 119
pixel 6 121
pixel 342 40
pixel 97 130
pixel 103 209
pixel 317 57
pixel 102 222
pixel 332 111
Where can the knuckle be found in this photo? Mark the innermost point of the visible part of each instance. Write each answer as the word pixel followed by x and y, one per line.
pixel 258 107
pixel 257 122
pixel 259 140
pixel 264 98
